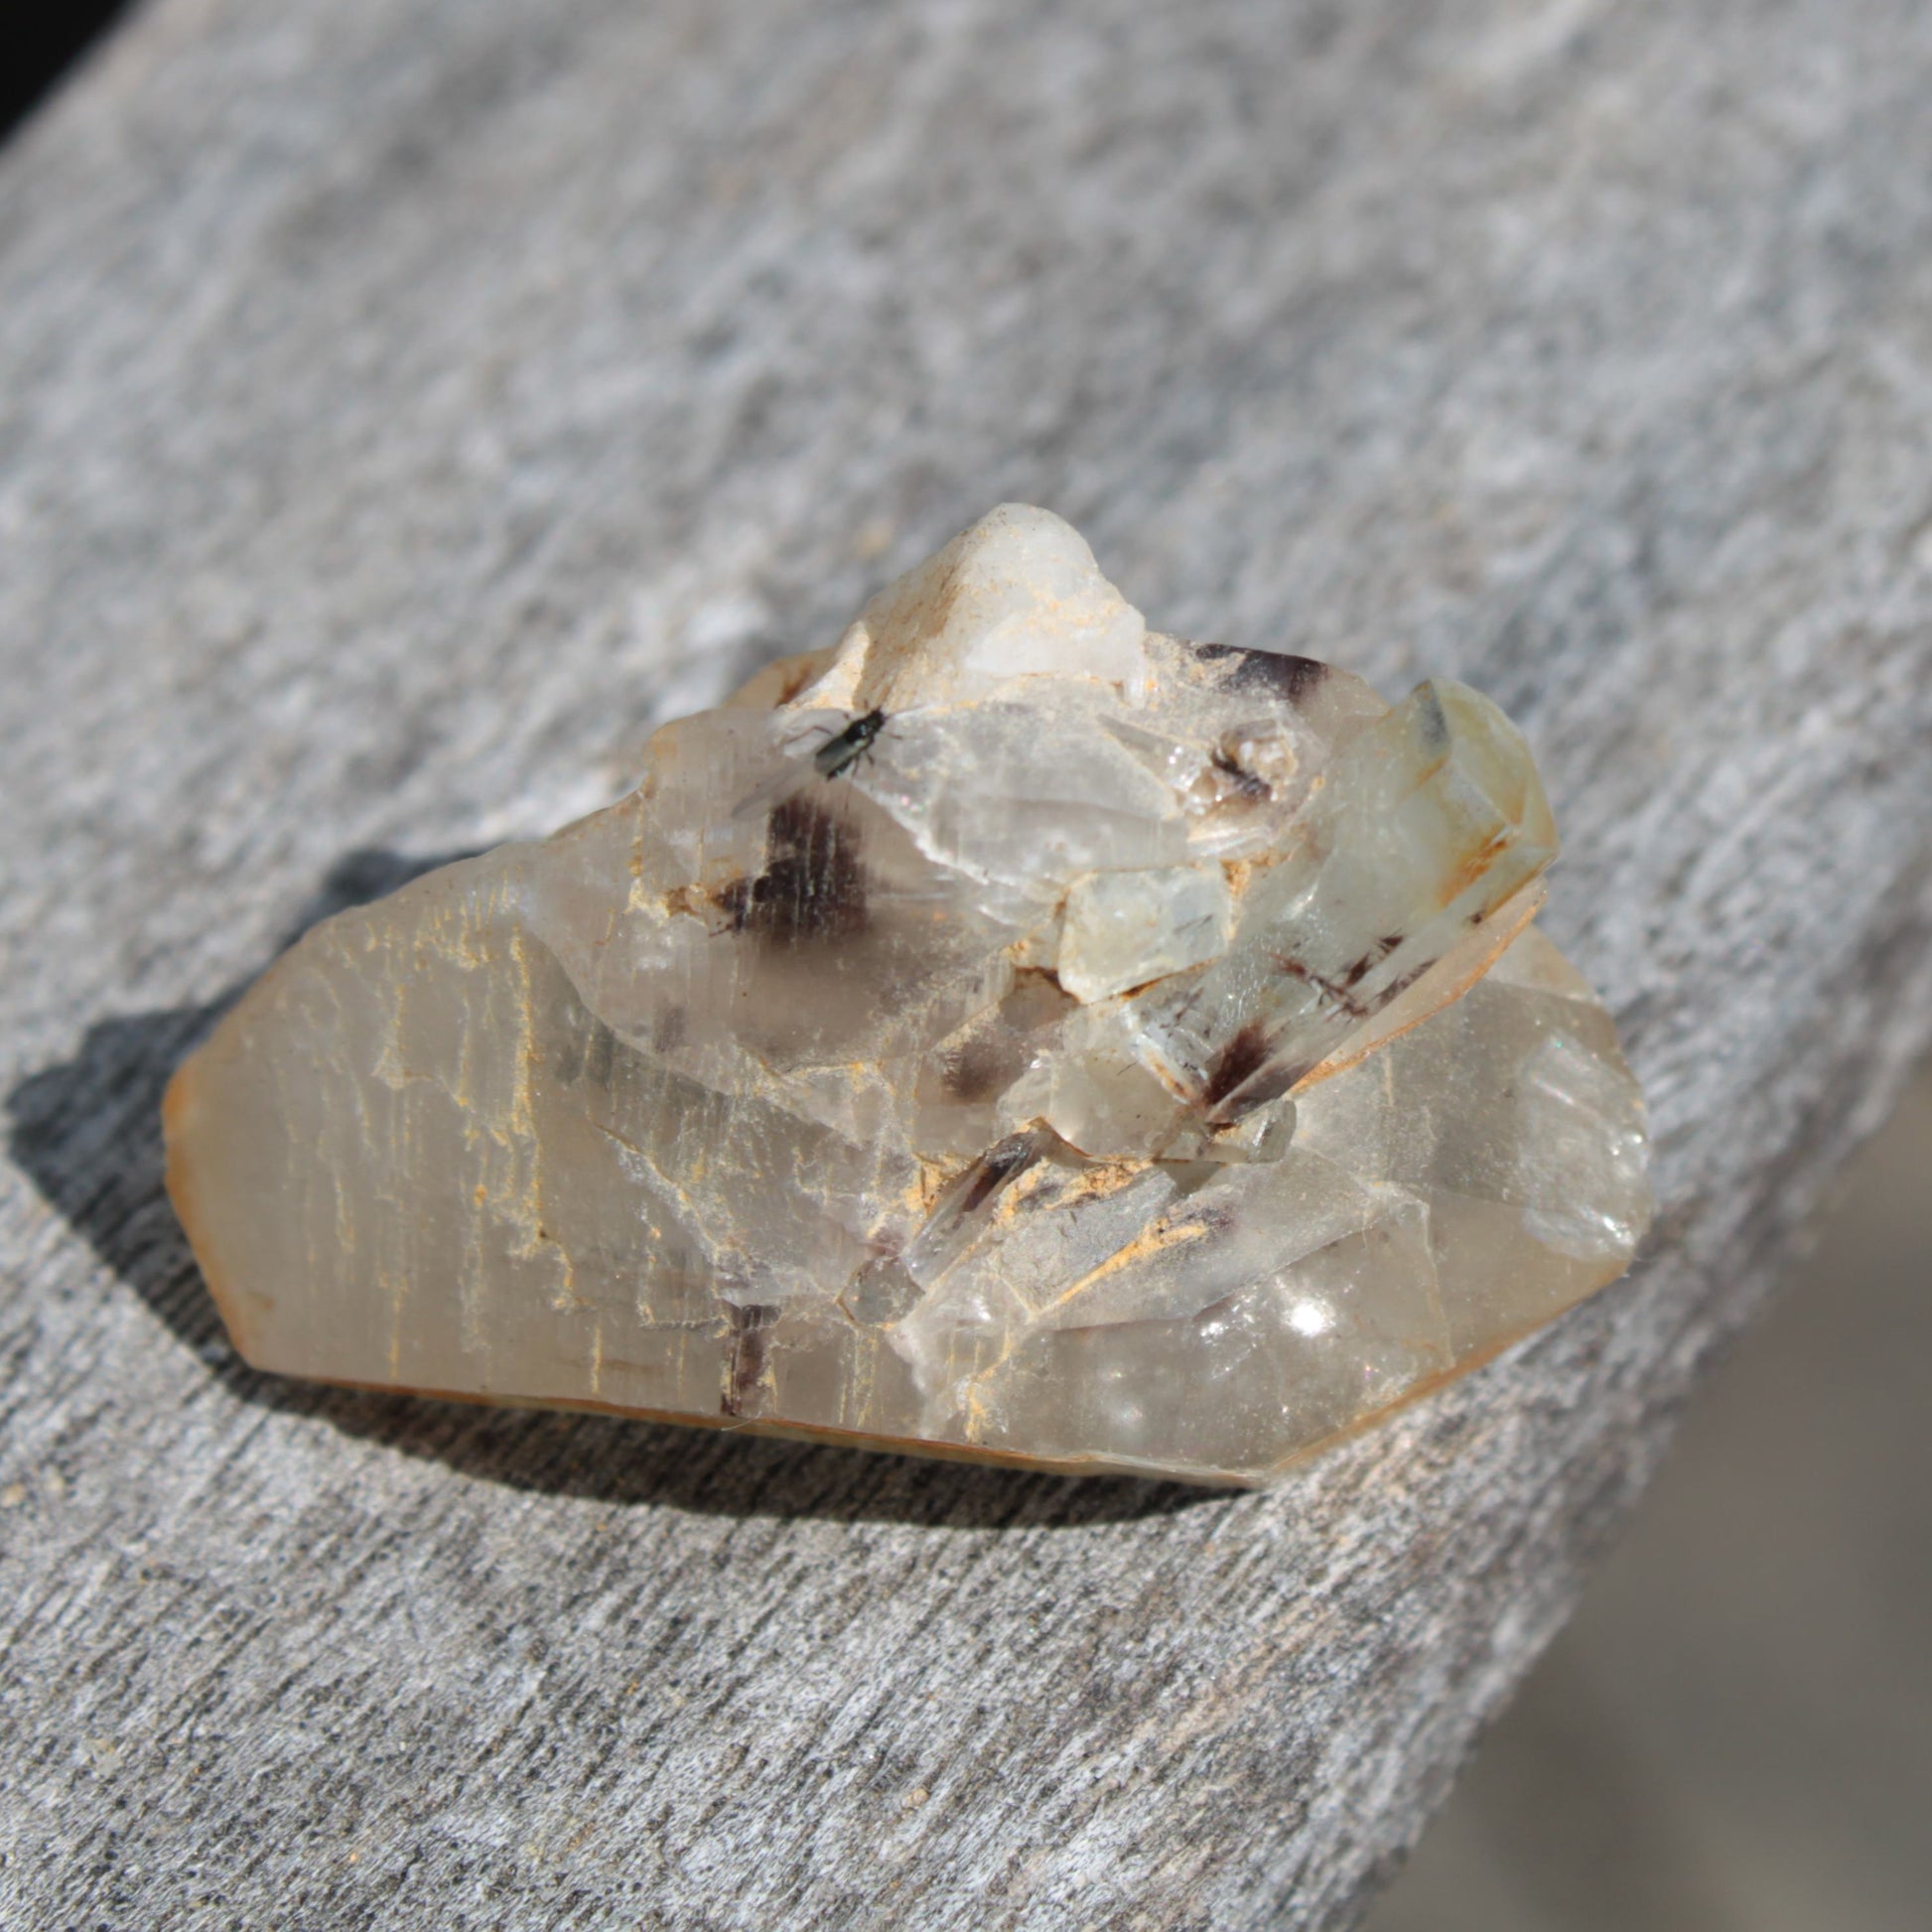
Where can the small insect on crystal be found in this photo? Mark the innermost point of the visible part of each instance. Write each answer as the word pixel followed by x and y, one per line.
pixel 842 753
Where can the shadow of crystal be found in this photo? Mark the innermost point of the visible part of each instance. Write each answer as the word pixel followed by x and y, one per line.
pixel 87 1131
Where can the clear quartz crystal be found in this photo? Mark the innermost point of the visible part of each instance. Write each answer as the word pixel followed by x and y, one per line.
pixel 1010 1032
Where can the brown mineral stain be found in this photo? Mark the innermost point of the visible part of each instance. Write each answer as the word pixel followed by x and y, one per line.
pixel 975 1070
pixel 744 1359
pixel 1237 1061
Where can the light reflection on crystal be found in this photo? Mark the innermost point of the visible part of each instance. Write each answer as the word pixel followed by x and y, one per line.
pixel 1310 1317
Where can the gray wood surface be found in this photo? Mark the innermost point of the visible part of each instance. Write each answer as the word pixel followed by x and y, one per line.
pixel 404 402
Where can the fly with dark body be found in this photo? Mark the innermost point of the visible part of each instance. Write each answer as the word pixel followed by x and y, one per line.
pixel 842 753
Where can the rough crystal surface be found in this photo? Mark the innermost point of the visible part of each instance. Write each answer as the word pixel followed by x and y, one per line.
pixel 1008 1033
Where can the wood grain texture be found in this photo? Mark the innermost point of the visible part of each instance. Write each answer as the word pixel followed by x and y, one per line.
pixel 405 402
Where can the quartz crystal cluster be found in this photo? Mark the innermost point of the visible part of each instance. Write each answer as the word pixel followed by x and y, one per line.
pixel 1010 1032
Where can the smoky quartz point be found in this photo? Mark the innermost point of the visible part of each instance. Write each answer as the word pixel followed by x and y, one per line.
pixel 1010 1032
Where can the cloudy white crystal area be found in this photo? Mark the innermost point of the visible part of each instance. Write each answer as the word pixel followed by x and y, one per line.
pixel 1010 1032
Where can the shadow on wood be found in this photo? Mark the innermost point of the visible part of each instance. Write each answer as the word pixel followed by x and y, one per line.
pixel 87 1130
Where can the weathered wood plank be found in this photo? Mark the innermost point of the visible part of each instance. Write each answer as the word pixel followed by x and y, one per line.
pixel 405 404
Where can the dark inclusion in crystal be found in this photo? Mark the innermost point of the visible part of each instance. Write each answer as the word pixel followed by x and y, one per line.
pixel 813 885
pixel 1266 673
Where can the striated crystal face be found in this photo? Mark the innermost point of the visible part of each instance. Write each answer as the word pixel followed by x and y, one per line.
pixel 1010 1032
